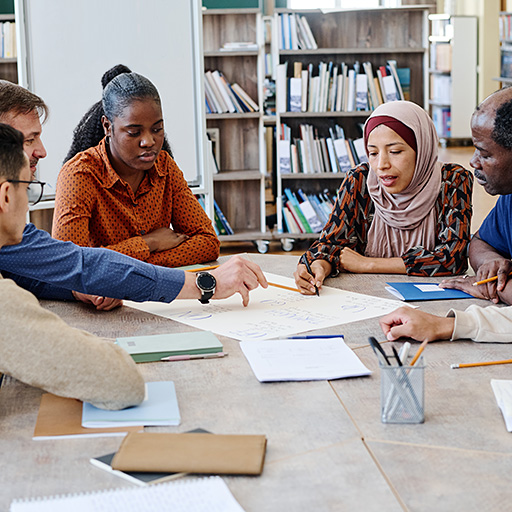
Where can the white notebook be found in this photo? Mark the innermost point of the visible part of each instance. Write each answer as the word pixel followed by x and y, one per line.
pixel 202 495
pixel 160 407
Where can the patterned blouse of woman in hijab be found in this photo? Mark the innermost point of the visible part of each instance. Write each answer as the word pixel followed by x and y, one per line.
pixel 403 212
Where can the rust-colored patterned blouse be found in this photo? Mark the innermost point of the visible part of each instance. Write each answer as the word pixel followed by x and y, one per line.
pixel 353 211
pixel 94 207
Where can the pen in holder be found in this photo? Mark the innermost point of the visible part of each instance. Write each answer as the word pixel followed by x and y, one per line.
pixel 402 393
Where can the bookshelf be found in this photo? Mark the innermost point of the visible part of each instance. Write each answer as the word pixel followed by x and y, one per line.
pixel 239 184
pixel 8 64
pixel 505 28
pixel 453 74
pixel 342 37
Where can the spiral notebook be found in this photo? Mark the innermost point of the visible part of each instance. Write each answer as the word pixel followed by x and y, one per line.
pixel 201 495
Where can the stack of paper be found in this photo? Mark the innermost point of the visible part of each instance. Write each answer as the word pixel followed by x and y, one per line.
pixel 503 393
pixel 160 407
pixel 302 359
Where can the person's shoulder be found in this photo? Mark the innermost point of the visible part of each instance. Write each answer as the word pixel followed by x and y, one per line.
pixel 456 174
pixel 359 174
pixel 86 160
pixel 166 166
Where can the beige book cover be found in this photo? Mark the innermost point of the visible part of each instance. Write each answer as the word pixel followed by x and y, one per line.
pixel 62 417
pixel 192 453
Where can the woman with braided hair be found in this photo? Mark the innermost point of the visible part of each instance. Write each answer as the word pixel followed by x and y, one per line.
pixel 120 187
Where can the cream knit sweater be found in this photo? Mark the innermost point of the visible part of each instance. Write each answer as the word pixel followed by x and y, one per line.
pixel 40 349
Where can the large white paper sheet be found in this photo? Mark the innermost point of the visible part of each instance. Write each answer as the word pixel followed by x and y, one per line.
pixel 272 312
pixel 311 359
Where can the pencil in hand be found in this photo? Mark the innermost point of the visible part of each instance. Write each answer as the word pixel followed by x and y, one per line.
pixel 488 280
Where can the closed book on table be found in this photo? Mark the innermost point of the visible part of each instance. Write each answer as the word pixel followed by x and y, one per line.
pixel 144 349
pixel 192 453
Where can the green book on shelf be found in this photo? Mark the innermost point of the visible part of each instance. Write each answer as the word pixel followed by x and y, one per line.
pixel 145 349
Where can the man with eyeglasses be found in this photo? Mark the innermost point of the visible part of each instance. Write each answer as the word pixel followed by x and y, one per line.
pixel 70 362
pixel 52 269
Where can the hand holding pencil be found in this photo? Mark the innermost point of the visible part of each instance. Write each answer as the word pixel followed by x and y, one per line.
pixel 491 279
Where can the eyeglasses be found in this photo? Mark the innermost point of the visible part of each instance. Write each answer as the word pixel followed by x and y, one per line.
pixel 34 190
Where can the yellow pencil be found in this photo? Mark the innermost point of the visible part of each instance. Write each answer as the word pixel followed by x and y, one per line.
pixel 418 354
pixel 284 287
pixel 202 269
pixel 270 284
pixel 488 280
pixel 485 363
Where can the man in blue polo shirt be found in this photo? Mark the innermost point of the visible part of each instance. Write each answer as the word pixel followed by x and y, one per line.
pixel 490 250
pixel 52 269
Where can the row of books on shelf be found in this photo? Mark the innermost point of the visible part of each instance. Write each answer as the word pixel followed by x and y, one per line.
pixel 8 40
pixel 306 213
pixel 340 88
pixel 220 223
pixel 441 89
pixel 441 57
pixel 442 118
pixel 222 97
pixel 505 24
pixel 506 60
pixel 311 153
pixel 295 33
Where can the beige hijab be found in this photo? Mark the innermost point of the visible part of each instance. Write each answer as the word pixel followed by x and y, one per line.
pixel 408 219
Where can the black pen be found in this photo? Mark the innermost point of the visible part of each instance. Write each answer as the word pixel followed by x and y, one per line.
pixel 308 268
pixel 397 357
pixel 378 349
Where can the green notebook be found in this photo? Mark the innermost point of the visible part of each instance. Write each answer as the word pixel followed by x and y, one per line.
pixel 145 349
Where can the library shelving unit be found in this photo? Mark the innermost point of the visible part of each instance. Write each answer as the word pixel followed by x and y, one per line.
pixel 505 27
pixel 453 74
pixel 8 66
pixel 239 185
pixel 348 36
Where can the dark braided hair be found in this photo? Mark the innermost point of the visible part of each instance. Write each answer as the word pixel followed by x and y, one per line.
pixel 120 88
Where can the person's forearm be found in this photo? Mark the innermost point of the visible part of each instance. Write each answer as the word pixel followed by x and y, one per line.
pixel 197 249
pixel 481 252
pixel 506 295
pixel 386 266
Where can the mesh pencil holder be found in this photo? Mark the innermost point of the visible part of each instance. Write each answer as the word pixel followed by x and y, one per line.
pixel 402 393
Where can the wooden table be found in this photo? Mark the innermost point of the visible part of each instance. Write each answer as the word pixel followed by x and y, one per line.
pixel 327 448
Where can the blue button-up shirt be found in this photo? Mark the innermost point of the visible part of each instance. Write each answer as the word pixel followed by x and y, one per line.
pixel 51 269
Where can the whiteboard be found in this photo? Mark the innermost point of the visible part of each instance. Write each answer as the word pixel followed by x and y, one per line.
pixel 67 45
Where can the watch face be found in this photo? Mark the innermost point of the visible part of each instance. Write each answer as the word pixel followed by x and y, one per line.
pixel 206 281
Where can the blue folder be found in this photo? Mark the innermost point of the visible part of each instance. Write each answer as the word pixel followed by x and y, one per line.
pixel 412 291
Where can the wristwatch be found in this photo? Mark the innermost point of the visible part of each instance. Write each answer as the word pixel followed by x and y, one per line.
pixel 206 284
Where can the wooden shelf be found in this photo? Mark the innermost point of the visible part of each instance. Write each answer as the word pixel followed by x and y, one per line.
pixel 346 36
pixel 242 236
pixel 314 176
pixel 238 53
pixel 350 51
pixel 246 175
pixel 239 187
pixel 246 115
pixel 306 115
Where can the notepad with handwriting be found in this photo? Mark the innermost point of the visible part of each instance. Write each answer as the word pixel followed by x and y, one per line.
pixel 145 349
pixel 203 494
pixel 160 407
pixel 302 359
